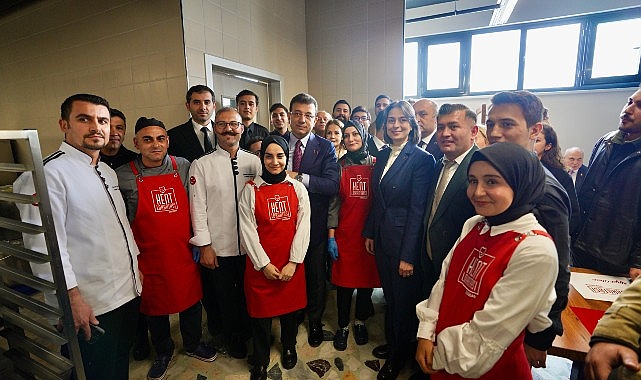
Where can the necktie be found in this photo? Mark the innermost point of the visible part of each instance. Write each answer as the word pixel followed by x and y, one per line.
pixel 442 184
pixel 298 156
pixel 206 140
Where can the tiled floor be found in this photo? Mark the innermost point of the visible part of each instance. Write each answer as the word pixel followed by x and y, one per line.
pixel 354 358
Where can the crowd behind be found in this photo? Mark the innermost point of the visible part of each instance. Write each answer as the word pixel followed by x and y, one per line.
pixel 469 229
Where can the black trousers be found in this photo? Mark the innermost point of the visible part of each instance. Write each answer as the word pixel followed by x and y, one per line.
pixel 261 335
pixel 364 306
pixel 224 286
pixel 315 276
pixel 214 324
pixel 190 329
pixel 401 294
pixel 108 356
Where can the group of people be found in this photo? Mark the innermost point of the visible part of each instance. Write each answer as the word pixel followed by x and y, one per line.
pixel 250 224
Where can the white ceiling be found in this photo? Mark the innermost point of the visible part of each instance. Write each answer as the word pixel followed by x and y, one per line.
pixel 525 10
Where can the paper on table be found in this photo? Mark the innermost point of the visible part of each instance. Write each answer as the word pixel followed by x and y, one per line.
pixel 598 286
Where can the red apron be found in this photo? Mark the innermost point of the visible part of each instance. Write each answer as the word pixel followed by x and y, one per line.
pixel 478 262
pixel 162 229
pixel 276 211
pixel 355 268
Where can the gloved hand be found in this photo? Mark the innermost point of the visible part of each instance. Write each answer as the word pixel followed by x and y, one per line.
pixel 332 248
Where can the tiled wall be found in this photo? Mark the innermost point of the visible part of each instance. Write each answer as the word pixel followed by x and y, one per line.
pixel 264 34
pixel 130 52
pixel 355 50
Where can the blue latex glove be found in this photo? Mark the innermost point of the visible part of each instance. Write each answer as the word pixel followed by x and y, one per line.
pixel 332 248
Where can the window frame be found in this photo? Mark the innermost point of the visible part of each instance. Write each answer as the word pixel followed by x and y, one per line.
pixel 585 54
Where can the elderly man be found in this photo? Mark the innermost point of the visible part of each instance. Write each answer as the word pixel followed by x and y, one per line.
pixel 573 161
pixel 426 111
pixel 97 247
pixel 114 153
pixel 158 210
pixel 322 117
pixel 216 180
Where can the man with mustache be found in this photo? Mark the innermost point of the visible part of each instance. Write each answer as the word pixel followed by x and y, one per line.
pixel 609 237
pixel 154 187
pixel 97 248
pixel 114 153
pixel 216 181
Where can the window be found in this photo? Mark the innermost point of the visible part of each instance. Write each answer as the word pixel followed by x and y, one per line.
pixel 550 56
pixel 410 71
pixel 601 50
pixel 495 61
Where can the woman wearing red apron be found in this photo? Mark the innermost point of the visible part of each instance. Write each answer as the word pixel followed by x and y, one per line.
pixel 353 267
pixel 274 231
pixel 498 279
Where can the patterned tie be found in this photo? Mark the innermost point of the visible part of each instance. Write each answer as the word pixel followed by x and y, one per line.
pixel 298 156
pixel 206 140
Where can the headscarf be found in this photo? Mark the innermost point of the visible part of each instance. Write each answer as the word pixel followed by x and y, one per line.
pixel 267 176
pixel 521 170
pixel 362 153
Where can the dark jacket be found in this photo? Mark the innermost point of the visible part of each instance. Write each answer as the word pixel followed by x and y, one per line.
pixel 183 142
pixel 257 131
pixel 610 201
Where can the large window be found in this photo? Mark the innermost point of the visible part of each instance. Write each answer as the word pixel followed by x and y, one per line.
pixel 600 50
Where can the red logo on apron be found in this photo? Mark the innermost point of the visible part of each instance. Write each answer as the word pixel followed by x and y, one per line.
pixel 279 208
pixel 164 200
pixel 473 271
pixel 359 187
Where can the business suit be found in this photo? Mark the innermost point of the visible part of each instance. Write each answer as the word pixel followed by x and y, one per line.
pixel 580 177
pixel 451 213
pixel 395 223
pixel 183 142
pixel 319 162
pixel 432 148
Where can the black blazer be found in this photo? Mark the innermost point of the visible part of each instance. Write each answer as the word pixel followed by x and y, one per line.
pixel 395 219
pixel 183 142
pixel 452 212
pixel 433 148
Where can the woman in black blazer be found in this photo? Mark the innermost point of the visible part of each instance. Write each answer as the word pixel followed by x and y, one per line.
pixel 394 228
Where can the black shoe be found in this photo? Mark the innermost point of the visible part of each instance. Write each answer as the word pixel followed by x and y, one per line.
pixel 315 333
pixel 381 352
pixel 160 365
pixel 388 372
pixel 340 339
pixel 289 358
pixel 360 334
pixel 258 372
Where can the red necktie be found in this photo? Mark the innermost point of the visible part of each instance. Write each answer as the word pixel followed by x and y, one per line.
pixel 298 156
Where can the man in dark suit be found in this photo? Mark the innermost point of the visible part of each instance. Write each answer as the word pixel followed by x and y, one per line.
pixel 426 111
pixel 247 105
pixel 573 160
pixel 447 204
pixel 194 138
pixel 312 161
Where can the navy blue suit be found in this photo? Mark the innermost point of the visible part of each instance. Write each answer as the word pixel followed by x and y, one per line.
pixel 319 162
pixel 580 176
pixel 395 223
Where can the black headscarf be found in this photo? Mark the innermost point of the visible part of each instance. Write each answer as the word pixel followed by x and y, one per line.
pixel 362 153
pixel 522 171
pixel 267 176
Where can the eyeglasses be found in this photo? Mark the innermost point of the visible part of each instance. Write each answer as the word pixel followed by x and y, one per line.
pixel 360 118
pixel 298 115
pixel 402 120
pixel 224 124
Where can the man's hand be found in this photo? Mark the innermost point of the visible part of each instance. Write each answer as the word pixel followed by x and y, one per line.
pixel 369 246
pixel 271 272
pixel 425 355
pixel 288 271
pixel 634 273
pixel 535 357
pixel 603 357
pixel 208 257
pixel 82 313
pixel 405 269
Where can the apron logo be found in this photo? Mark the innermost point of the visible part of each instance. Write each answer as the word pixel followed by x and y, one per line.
pixel 278 208
pixel 164 199
pixel 475 267
pixel 359 187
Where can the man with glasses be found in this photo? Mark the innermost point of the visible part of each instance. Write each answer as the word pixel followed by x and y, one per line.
pixel 361 114
pixel 312 161
pixel 216 180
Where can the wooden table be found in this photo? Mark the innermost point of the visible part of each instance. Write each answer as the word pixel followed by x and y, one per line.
pixel 574 344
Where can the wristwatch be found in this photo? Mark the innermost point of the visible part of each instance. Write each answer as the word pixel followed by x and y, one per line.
pixel 299 177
